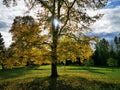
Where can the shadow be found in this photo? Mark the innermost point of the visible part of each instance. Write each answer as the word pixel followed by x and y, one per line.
pixel 61 83
pixel 13 73
pixel 48 84
pixel 93 69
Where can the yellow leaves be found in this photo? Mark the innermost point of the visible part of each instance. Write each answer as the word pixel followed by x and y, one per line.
pixel 70 49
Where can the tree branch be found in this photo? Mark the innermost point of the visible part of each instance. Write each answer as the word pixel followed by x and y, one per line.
pixel 65 3
pixel 68 13
pixel 43 2
pixel 72 4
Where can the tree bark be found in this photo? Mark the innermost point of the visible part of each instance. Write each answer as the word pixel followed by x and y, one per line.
pixel 54 57
pixel 54 70
pixel 54 46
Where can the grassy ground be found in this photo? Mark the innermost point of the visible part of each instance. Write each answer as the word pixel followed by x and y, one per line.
pixel 71 78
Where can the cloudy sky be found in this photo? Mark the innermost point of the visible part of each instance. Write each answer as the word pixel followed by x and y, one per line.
pixel 107 27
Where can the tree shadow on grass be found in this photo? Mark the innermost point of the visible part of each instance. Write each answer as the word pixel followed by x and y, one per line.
pixel 18 72
pixel 13 73
pixel 92 69
pixel 60 83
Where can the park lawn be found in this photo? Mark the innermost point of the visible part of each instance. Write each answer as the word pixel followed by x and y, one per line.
pixel 71 78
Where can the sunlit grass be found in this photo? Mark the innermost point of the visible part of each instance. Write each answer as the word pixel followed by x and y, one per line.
pixel 106 74
pixel 69 75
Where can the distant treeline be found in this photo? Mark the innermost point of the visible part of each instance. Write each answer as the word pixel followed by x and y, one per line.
pixel 30 47
pixel 107 53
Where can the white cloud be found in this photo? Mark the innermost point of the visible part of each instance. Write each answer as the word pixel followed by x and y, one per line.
pixel 110 22
pixel 7 14
pixel 7 38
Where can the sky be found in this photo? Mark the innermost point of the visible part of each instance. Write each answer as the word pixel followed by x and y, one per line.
pixel 107 27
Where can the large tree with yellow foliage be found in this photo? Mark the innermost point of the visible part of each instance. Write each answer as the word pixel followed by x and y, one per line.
pixel 27 41
pixel 70 49
pixel 62 17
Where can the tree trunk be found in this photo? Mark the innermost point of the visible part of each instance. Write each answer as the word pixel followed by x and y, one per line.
pixel 3 66
pixel 54 70
pixel 54 45
pixel 54 58
pixel 54 65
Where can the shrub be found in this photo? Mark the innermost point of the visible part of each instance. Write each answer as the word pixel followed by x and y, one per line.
pixel 89 62
pixel 112 62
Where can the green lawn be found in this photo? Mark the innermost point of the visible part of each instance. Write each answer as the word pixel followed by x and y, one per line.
pixel 71 78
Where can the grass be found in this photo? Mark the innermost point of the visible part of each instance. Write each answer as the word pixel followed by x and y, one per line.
pixel 71 78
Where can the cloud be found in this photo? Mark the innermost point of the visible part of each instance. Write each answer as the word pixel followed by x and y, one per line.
pixel 110 22
pixel 6 19
pixel 7 38
pixel 3 24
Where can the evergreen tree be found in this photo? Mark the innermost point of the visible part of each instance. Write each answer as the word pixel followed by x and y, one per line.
pixel 2 51
pixel 117 42
pixel 101 53
pixel 1 44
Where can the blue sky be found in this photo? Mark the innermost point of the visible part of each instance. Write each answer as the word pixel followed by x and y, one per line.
pixel 113 3
pixel 108 24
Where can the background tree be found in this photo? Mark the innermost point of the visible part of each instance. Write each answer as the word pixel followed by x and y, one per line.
pixel 70 49
pixel 101 53
pixel 2 47
pixel 63 17
pixel 27 40
pixel 113 53
pixel 117 43
pixel 2 51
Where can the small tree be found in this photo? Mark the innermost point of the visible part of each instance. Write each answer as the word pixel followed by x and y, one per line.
pixel 2 47
pixel 112 62
pixel 89 62
pixel 101 53
pixel 2 51
pixel 117 43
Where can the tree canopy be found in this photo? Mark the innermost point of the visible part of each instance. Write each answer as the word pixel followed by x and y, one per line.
pixel 27 39
pixel 72 19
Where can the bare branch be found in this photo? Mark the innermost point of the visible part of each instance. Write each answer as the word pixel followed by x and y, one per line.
pixel 68 13
pixel 65 3
pixel 45 4
pixel 65 22
pixel 72 4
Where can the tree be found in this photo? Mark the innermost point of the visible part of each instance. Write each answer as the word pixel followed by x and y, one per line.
pixel 63 17
pixel 113 53
pixel 2 51
pixel 117 43
pixel 112 62
pixel 2 47
pixel 70 49
pixel 101 53
pixel 27 39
